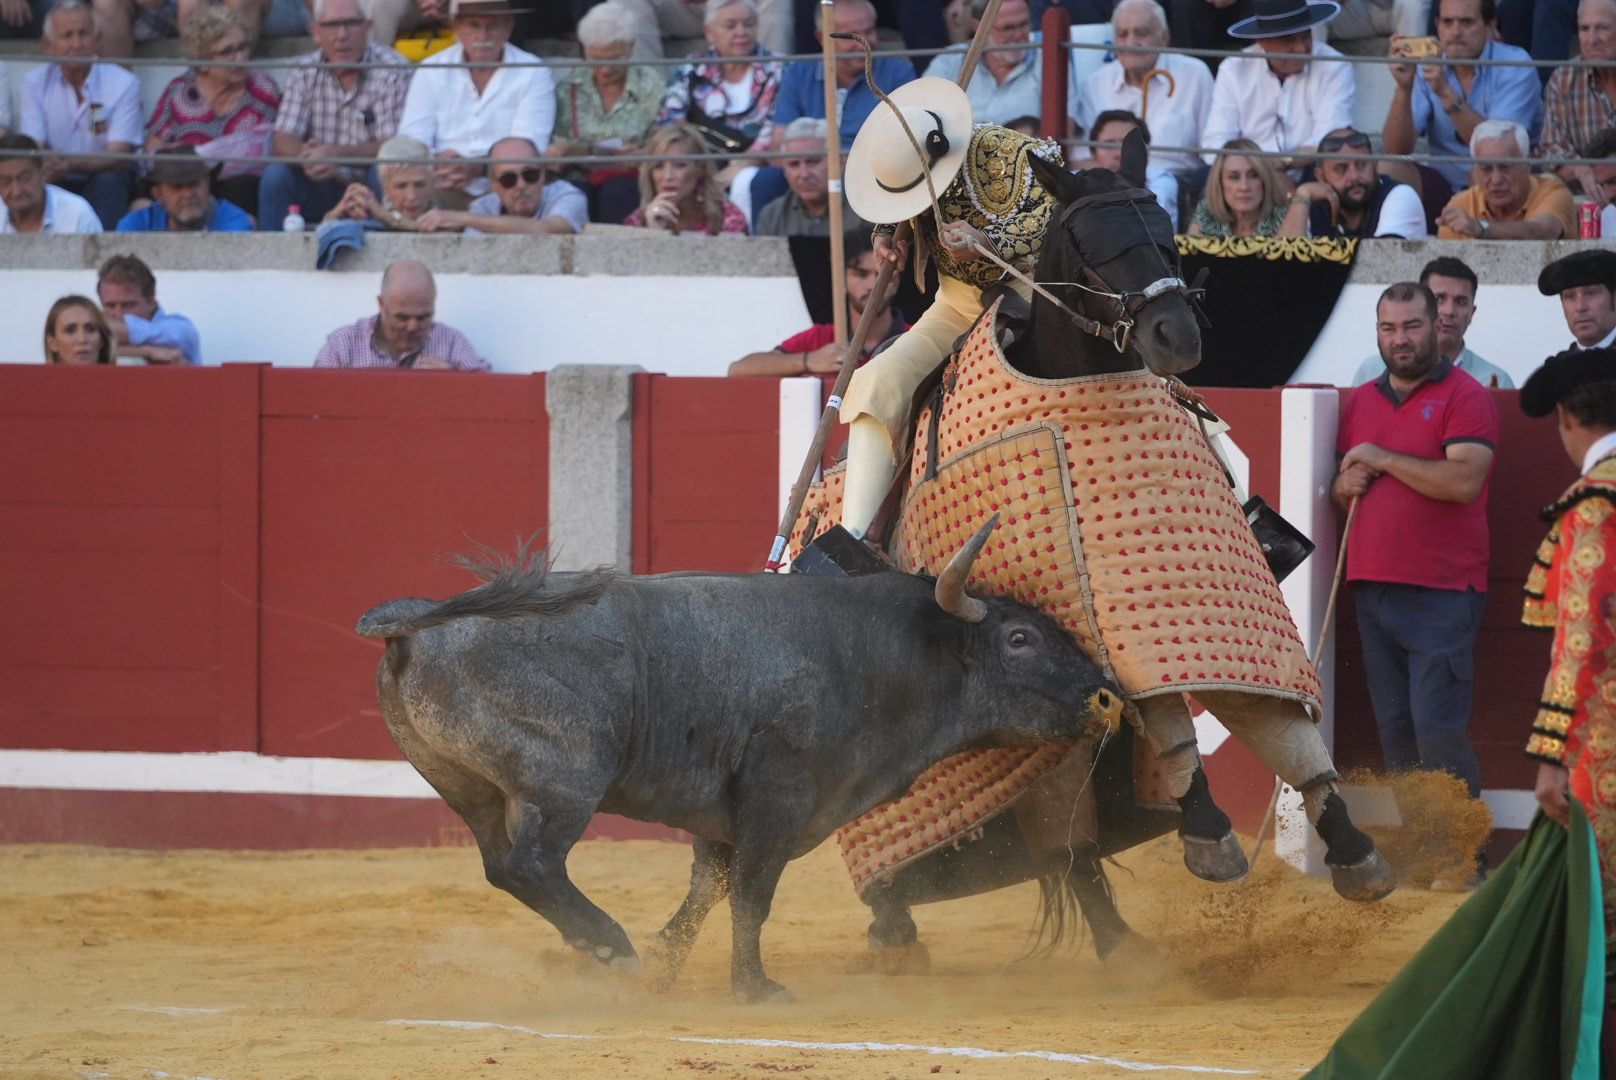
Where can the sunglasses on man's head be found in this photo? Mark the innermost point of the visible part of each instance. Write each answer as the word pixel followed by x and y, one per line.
pixel 530 175
pixel 1356 139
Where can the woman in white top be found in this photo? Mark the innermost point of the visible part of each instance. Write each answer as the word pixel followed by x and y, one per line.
pixel 728 91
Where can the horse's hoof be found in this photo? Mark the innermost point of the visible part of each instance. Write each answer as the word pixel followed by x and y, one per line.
pixel 911 959
pixel 1133 949
pixel 764 992
pixel 1371 878
pixel 1215 860
pixel 616 959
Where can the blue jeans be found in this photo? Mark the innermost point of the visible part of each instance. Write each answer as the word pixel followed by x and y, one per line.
pixel 1419 650
pixel 288 185
pixel 108 192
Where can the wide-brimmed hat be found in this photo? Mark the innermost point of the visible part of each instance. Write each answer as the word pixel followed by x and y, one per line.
pixel 884 181
pixel 484 7
pixel 1563 373
pixel 1276 18
pixel 1593 267
pixel 179 165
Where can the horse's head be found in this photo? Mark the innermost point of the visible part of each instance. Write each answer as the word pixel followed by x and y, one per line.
pixel 1109 254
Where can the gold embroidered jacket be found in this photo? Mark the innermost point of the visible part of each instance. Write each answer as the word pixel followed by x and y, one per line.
pixel 1572 590
pixel 997 193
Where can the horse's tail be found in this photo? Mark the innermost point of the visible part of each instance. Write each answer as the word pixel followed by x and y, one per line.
pixel 1060 911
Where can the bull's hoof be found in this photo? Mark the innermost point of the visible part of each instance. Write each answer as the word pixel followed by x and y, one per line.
pixel 1372 878
pixel 911 959
pixel 763 992
pixel 1215 860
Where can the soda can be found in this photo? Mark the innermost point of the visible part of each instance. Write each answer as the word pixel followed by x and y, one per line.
pixel 1588 220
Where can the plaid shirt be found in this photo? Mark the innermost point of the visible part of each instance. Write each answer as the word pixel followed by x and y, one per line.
pixel 315 107
pixel 354 346
pixel 1574 109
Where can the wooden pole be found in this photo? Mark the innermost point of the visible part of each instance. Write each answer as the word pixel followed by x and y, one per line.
pixel 855 348
pixel 833 173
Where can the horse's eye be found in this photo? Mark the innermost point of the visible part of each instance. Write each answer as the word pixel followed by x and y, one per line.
pixel 1019 639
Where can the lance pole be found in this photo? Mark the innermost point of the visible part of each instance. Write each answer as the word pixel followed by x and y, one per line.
pixel 833 176
pixel 855 348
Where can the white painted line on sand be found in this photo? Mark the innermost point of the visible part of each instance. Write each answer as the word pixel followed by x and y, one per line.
pixel 867 1047
pixel 177 1010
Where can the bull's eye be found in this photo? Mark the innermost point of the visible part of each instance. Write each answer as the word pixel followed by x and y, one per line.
pixel 1019 639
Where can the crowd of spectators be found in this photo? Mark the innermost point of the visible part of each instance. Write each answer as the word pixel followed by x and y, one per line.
pixel 1237 140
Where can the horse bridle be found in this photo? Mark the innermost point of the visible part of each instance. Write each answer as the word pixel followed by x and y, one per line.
pixel 1130 303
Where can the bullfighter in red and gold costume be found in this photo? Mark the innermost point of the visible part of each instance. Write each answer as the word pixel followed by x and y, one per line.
pixel 1572 590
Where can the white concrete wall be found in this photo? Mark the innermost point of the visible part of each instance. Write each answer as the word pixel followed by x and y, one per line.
pixel 678 325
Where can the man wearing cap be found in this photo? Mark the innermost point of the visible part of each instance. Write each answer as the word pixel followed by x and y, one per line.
pixel 1571 589
pixel 460 112
pixel 1585 282
pixel 1268 95
pixel 182 198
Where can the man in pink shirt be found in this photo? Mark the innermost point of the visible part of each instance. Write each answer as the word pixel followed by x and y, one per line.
pixel 1417 451
pixel 404 332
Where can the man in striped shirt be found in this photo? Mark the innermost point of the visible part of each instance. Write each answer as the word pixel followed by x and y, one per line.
pixel 403 333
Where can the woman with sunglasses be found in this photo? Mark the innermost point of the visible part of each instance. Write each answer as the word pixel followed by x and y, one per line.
pixel 1246 196
pixel 683 197
pixel 228 110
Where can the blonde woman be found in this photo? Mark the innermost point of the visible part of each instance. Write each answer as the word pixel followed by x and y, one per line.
pixel 1246 196
pixel 77 333
pixel 683 196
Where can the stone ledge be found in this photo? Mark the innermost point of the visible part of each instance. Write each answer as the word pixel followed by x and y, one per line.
pixel 1496 262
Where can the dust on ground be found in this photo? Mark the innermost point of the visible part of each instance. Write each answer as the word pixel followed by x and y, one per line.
pixel 240 965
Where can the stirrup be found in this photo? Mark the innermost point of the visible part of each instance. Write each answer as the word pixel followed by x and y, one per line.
pixel 835 553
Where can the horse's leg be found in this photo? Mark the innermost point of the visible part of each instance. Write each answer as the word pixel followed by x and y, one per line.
pixel 1211 850
pixel 895 946
pixel 1286 740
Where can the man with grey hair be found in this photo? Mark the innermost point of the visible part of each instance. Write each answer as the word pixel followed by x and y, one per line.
pixel 459 112
pixel 1173 92
pixel 657 19
pixel 805 209
pixel 404 332
pixel 332 112
pixel 77 109
pixel 1007 84
pixel 1505 201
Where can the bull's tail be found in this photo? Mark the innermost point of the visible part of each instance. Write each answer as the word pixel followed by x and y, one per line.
pixel 512 588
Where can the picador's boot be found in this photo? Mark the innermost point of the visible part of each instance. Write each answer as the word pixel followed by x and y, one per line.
pixel 1356 867
pixel 837 553
pixel 1211 850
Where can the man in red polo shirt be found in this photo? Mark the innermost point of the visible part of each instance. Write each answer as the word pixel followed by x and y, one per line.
pixel 1417 450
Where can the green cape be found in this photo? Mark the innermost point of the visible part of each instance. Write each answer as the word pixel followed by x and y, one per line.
pixel 1512 986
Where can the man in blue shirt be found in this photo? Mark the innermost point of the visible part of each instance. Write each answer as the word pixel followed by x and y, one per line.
pixel 802 89
pixel 1447 101
pixel 182 198
pixel 127 290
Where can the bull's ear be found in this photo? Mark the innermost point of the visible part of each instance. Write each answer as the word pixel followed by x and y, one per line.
pixel 1055 179
pixel 950 591
pixel 1134 156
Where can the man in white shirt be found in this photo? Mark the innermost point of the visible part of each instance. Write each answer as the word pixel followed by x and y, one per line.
pixel 1278 101
pixel 1585 282
pixel 461 112
pixel 79 109
pixel 519 199
pixel 1351 199
pixel 1454 285
pixel 1179 88
pixel 28 204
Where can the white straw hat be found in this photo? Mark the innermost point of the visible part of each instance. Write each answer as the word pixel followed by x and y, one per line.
pixel 884 180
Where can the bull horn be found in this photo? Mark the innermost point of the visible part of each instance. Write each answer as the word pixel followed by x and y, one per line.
pixel 951 594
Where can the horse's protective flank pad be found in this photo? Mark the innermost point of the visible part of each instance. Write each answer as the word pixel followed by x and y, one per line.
pixel 1139 549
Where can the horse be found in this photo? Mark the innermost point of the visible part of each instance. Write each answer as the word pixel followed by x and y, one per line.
pixel 1109 269
pixel 1130 310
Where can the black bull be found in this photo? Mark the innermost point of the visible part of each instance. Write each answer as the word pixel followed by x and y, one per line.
pixel 758 712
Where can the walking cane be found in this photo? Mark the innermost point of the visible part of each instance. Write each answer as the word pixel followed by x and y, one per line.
pixel 855 348
pixel 1318 651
